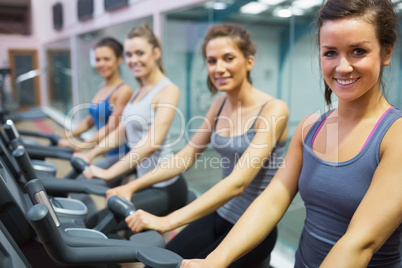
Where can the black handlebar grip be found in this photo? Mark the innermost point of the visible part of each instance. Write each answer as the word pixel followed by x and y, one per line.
pixel 38 195
pixel 10 130
pixel 24 162
pixel 3 118
pixel 33 187
pixel 78 164
pixel 54 139
pixel 120 206
pixel 159 257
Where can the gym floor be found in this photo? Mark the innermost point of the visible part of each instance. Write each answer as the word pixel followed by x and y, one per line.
pixel 199 179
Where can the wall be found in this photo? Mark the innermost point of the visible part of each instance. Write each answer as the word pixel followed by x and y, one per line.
pixel 15 42
pixel 43 32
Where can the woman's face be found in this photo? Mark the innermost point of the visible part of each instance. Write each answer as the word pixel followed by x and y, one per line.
pixel 106 62
pixel 351 58
pixel 140 56
pixel 227 67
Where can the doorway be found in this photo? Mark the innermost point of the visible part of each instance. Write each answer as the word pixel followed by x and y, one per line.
pixel 25 78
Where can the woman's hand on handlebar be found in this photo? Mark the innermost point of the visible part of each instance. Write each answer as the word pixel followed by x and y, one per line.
pixel 94 172
pixel 122 190
pixel 196 263
pixel 142 220
pixel 68 142
pixel 64 142
pixel 83 156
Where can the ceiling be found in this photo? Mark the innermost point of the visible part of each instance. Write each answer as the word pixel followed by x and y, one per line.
pixel 232 13
pixel 16 3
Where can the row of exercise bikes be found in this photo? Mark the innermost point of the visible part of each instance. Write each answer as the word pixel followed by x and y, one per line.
pixel 41 227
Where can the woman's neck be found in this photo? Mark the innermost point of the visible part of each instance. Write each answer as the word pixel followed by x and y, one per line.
pixel 113 80
pixel 154 77
pixel 242 96
pixel 371 104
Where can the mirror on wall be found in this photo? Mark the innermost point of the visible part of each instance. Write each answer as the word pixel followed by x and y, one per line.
pixel 271 26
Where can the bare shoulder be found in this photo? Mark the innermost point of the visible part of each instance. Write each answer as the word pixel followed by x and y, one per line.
pixel 169 93
pixel 274 113
pixel 169 89
pixel 275 107
pixel 122 94
pixel 306 123
pixel 126 89
pixel 392 141
pixel 217 104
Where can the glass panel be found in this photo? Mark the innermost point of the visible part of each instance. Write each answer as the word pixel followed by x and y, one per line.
pixel 392 78
pixel 59 75
pixel 301 80
pixel 25 89
pixel 183 58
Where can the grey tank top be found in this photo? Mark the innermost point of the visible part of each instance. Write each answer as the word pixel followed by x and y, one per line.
pixel 332 191
pixel 138 119
pixel 231 149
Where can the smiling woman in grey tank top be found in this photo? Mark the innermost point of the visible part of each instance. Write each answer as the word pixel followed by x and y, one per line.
pixel 231 150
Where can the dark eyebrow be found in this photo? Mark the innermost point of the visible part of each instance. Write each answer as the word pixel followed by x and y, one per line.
pixel 224 55
pixel 360 44
pixel 230 53
pixel 353 45
pixel 328 47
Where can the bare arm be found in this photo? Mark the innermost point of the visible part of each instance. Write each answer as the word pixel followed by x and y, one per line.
pixel 380 211
pixel 165 107
pixel 177 164
pixel 235 184
pixel 119 99
pixel 70 139
pixel 83 126
pixel 108 143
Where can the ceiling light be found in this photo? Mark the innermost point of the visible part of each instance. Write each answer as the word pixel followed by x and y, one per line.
pixel 253 8
pixel 217 5
pixel 283 12
pixel 271 2
pixel 297 11
pixel 306 4
pixel 220 6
